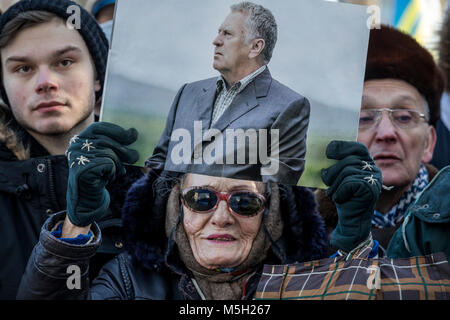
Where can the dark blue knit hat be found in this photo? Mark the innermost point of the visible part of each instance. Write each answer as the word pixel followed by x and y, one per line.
pixel 90 30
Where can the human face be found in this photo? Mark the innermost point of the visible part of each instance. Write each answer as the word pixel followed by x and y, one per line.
pixel 398 153
pixel 49 78
pixel 231 52
pixel 220 238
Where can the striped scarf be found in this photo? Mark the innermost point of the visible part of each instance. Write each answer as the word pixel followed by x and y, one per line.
pixel 395 215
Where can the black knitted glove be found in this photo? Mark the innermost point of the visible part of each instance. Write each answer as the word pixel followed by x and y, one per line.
pixel 354 186
pixel 95 159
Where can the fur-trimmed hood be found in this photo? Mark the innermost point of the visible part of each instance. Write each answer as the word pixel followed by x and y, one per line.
pixel 304 237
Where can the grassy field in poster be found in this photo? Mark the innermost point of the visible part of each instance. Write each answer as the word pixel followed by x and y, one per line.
pixel 149 128
pixel 315 161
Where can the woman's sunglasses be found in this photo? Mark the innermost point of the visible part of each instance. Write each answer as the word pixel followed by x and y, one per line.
pixel 205 200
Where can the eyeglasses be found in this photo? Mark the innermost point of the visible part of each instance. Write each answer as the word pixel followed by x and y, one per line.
pixel 401 118
pixel 206 200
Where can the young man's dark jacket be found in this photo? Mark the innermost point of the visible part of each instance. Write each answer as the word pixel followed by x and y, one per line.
pixel 151 268
pixel 31 190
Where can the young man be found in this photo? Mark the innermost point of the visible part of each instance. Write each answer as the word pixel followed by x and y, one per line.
pixel 52 77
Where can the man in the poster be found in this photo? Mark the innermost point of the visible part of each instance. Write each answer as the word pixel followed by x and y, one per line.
pixel 243 113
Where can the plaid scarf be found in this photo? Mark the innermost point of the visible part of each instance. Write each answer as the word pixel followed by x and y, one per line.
pixel 395 215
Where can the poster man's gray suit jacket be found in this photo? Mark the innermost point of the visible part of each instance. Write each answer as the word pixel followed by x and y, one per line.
pixel 263 104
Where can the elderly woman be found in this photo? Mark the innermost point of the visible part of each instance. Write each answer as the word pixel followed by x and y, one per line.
pixel 189 237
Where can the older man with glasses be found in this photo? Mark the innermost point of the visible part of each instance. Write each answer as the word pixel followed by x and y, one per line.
pixel 399 110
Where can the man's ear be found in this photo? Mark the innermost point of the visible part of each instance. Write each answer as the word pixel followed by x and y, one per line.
pixel 97 86
pixel 98 103
pixel 430 143
pixel 257 46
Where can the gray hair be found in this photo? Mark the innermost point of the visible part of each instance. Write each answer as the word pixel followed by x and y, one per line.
pixel 260 23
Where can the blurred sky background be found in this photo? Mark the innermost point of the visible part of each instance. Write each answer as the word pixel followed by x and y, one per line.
pixel 419 17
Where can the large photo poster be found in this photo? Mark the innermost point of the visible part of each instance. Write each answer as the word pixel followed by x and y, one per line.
pixel 163 70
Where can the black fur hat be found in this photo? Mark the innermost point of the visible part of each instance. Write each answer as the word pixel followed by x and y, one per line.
pixel 91 32
pixel 395 54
